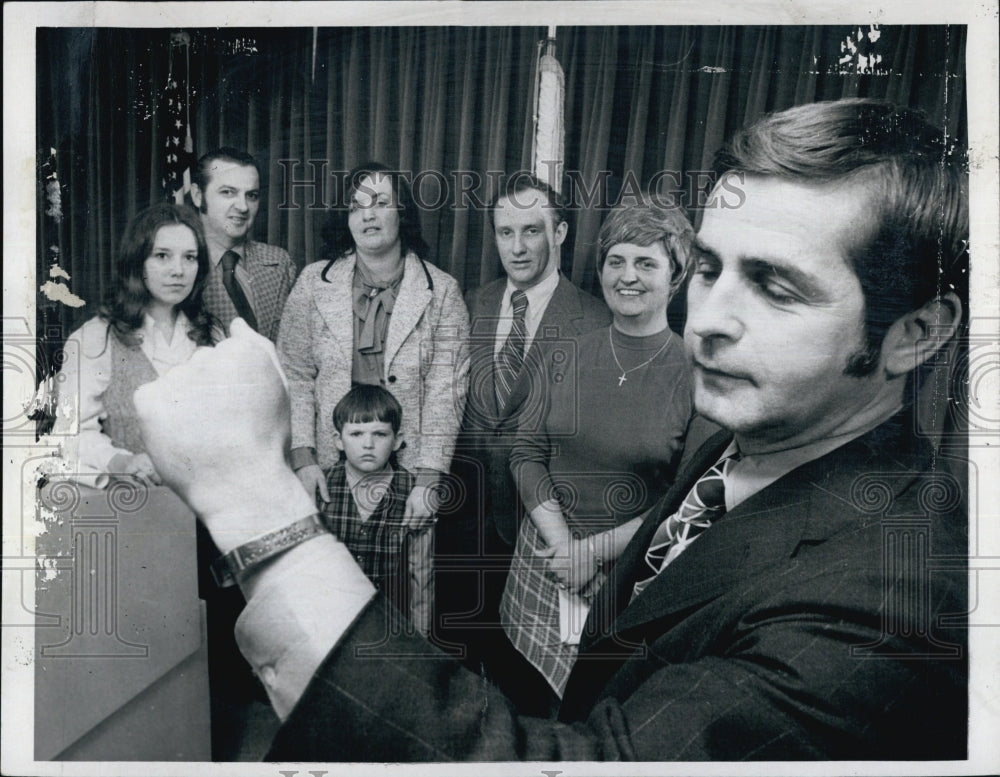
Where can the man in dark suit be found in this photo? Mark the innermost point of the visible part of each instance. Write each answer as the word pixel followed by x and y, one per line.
pixel 800 593
pixel 476 539
pixel 246 278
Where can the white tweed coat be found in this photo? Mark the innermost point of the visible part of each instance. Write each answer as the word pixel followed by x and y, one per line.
pixel 426 364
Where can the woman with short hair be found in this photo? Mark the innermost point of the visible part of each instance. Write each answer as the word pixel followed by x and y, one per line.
pixel 610 435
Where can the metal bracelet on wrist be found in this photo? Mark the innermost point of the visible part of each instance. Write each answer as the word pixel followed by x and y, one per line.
pixel 226 568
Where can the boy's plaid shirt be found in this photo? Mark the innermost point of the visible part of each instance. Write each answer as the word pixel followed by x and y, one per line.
pixel 380 544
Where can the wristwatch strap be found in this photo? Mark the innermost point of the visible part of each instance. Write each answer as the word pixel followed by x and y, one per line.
pixel 227 567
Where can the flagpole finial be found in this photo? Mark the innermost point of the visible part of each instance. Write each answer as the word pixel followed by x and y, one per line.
pixel 548 46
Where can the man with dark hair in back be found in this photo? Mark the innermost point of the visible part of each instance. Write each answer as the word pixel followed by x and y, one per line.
pixel 800 592
pixel 251 280
pixel 248 279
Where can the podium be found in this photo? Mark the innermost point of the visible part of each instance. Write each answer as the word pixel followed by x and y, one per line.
pixel 121 670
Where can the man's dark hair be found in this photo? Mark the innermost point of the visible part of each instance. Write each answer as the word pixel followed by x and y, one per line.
pixel 915 246
pixel 364 404
pixel 337 234
pixel 201 175
pixel 515 190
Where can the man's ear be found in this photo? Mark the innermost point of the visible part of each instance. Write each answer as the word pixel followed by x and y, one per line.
pixel 338 440
pixel 196 195
pixel 559 235
pixel 399 441
pixel 920 334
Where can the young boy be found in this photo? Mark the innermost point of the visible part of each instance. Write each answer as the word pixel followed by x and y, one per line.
pixel 368 493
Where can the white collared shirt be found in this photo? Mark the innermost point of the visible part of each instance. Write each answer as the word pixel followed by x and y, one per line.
pixel 755 472
pixel 539 297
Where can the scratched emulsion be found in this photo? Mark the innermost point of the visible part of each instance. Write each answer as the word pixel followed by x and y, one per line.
pixel 60 292
pixel 43 404
pixel 48 566
pixel 53 289
pixel 858 55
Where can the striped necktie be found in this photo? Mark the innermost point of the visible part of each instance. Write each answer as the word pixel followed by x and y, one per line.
pixel 704 503
pixel 235 291
pixel 511 356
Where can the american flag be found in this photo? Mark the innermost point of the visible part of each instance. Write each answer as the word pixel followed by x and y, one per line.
pixel 178 148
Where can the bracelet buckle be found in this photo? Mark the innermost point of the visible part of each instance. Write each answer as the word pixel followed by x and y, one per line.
pixel 226 568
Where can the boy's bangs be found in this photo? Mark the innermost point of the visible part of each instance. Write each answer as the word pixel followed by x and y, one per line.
pixel 365 417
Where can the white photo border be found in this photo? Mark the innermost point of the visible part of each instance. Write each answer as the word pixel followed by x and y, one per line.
pixel 20 288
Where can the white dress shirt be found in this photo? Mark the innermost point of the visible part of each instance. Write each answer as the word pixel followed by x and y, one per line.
pixel 539 297
pixel 298 608
pixel 85 376
pixel 755 472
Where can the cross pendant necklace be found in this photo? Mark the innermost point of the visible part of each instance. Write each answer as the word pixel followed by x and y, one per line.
pixel 622 378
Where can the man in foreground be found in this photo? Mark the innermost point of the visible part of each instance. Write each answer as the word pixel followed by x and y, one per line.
pixel 784 600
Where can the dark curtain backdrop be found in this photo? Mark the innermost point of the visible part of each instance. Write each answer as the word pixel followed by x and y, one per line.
pixel 437 101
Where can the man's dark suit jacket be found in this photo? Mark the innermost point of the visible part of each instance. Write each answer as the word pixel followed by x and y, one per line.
pixel 822 618
pixel 488 430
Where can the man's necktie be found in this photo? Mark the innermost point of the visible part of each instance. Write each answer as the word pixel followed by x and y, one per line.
pixel 240 301
pixel 511 355
pixel 704 503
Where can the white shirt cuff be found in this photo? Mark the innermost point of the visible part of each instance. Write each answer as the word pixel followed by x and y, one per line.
pixel 299 607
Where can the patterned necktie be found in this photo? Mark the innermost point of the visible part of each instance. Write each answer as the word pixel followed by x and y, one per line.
pixel 511 356
pixel 704 503
pixel 240 301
